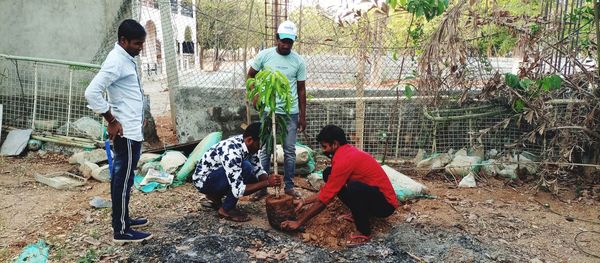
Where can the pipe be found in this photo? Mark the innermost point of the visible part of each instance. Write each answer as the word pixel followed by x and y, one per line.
pixel 51 61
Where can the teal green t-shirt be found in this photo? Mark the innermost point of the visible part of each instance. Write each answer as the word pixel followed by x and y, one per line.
pixel 292 66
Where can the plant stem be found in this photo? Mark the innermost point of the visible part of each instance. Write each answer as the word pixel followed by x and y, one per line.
pixel 597 21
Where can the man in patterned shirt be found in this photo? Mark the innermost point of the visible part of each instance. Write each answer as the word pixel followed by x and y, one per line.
pixel 232 169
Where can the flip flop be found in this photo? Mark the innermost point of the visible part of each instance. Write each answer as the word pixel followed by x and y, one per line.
pixel 210 204
pixel 357 240
pixel 347 217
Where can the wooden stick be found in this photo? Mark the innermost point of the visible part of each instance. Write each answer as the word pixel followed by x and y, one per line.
pixel 273 126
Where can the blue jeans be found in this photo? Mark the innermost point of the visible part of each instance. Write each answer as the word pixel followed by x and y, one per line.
pixel 289 154
pixel 127 154
pixel 218 185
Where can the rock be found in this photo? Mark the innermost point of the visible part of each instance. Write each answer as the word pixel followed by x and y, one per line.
pixel 302 155
pixel 147 157
pixel 468 181
pixel 315 180
pixel 171 161
pixel 93 156
pixel 102 174
pixel 99 202
pixel 435 161
pixel 147 166
pixel 420 155
pixel 461 165
pixel 87 168
pixel 88 126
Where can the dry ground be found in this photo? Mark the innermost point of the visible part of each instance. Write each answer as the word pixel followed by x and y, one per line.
pixel 514 219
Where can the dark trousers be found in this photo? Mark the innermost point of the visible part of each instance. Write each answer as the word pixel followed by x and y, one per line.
pixel 218 185
pixel 364 201
pixel 127 154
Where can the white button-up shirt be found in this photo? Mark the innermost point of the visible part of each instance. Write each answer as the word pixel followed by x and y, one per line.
pixel 119 76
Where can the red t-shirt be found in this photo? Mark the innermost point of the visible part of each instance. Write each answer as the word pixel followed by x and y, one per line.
pixel 352 164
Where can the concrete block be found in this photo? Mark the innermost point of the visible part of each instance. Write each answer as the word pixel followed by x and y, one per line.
pixel 101 174
pixel 94 156
pixel 87 168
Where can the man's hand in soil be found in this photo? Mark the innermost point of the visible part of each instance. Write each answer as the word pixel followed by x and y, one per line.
pixel 275 180
pixel 290 225
pixel 298 203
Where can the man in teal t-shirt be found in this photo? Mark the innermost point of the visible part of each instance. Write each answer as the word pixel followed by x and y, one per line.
pixel 288 62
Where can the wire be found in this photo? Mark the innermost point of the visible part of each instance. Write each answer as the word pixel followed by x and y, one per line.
pixel 575 240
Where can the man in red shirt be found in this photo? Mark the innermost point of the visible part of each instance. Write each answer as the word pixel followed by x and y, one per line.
pixel 357 179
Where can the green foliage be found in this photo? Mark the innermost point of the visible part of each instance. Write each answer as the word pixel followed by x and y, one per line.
pixel 90 256
pixel 267 87
pixel 408 91
pixel 221 23
pixel 531 89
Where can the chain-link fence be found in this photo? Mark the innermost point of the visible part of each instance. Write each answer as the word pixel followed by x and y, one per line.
pixel 352 76
pixel 198 52
pixel 45 95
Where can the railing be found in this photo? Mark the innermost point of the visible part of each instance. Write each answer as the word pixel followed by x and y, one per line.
pixel 37 93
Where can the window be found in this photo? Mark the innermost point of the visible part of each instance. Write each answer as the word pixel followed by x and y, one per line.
pixel 174 6
pixel 187 8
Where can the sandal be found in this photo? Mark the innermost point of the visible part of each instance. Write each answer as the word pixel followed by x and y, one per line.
pixel 357 240
pixel 347 217
pixel 234 215
pixel 212 202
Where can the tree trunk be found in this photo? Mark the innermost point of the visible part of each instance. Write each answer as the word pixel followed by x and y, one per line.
pixel 202 58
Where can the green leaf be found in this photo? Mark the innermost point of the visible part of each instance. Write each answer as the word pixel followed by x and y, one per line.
pixel 518 105
pixel 551 82
pixel 512 81
pixel 408 91
pixel 395 55
pixel 526 83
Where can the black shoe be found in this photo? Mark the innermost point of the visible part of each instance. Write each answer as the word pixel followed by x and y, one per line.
pixel 131 236
pixel 138 222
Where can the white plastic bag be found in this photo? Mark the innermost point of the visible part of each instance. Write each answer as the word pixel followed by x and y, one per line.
pixel 405 187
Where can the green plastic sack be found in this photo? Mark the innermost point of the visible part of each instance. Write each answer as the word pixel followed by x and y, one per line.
pixel 34 253
pixel 190 165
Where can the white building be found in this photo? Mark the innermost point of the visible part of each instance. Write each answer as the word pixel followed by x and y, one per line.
pixel 183 14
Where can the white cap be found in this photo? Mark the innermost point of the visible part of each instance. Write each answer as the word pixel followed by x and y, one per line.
pixel 287 29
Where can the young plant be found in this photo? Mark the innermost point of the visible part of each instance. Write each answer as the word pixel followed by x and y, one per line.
pixel 269 87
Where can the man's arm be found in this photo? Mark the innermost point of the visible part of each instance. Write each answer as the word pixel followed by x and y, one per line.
pixel 107 75
pixel 264 181
pixel 251 74
pixel 301 85
pixel 312 211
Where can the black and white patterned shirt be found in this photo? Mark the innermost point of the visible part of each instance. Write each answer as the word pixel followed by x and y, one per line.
pixel 230 154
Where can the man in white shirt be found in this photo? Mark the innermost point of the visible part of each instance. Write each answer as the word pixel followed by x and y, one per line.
pixel 124 113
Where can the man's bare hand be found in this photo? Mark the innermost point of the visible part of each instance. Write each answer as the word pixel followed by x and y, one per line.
pixel 298 203
pixel 114 129
pixel 290 225
pixel 302 124
pixel 275 180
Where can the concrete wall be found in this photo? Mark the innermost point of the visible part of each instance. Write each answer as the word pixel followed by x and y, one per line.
pixel 58 29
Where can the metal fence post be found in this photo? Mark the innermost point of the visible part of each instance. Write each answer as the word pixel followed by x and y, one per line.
pixel 70 100
pixel 170 55
pixel 35 91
